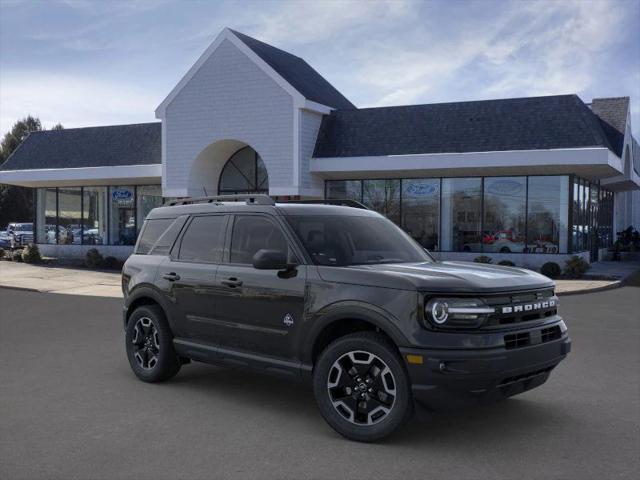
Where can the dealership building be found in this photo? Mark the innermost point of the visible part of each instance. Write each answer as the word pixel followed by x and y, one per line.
pixel 525 179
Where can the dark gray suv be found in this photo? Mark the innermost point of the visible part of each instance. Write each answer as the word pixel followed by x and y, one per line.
pixel 339 297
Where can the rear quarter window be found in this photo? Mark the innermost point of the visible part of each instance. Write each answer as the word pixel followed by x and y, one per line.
pixel 158 235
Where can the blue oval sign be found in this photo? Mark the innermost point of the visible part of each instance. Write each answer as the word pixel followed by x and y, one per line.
pixel 505 187
pixel 422 189
pixel 121 194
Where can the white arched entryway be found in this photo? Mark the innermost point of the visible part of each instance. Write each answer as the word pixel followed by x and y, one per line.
pixel 226 167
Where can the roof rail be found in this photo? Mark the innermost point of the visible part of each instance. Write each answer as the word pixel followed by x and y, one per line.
pixel 257 199
pixel 345 202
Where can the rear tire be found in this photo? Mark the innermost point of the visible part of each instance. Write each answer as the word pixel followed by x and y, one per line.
pixel 362 387
pixel 149 344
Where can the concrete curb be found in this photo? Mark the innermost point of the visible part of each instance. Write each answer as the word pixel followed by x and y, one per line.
pixel 25 289
pixel 612 286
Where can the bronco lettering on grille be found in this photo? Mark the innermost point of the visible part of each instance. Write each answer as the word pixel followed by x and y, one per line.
pixel 529 307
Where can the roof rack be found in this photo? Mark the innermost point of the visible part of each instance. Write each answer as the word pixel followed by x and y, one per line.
pixel 345 202
pixel 258 199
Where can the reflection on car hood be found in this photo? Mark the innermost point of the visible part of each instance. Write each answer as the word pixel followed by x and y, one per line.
pixel 438 277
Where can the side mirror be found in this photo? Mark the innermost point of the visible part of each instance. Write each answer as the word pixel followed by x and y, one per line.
pixel 270 260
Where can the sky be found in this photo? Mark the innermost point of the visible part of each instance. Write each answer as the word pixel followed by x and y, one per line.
pixel 101 62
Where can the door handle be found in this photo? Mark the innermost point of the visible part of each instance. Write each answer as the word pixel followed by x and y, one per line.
pixel 232 282
pixel 172 276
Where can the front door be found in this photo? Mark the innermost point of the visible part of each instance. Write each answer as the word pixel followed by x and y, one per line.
pixel 189 277
pixel 258 310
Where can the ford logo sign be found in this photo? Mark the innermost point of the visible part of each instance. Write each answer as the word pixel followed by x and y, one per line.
pixel 422 189
pixel 122 194
pixel 505 187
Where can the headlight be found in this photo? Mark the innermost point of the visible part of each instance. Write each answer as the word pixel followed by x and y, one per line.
pixel 457 312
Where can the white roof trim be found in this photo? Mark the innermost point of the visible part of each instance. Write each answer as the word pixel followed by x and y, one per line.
pixel 522 159
pixel 227 34
pixel 42 177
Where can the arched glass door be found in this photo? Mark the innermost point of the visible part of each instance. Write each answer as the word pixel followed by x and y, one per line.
pixel 243 173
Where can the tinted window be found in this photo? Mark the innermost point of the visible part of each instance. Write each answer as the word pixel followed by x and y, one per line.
pixel 346 240
pixel 151 232
pixel 165 242
pixel 253 233
pixel 204 239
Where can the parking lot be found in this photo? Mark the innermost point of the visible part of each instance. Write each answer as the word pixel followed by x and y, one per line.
pixel 71 408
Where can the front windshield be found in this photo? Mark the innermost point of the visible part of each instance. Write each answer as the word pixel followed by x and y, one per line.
pixel 341 240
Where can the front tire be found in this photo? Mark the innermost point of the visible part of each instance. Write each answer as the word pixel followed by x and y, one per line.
pixel 362 387
pixel 149 345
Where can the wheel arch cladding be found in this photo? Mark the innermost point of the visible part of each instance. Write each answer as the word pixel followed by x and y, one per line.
pixel 144 298
pixel 341 326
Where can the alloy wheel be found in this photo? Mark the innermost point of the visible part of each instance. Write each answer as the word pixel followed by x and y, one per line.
pixel 361 387
pixel 146 343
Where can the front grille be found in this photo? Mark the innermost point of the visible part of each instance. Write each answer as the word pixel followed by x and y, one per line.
pixel 516 300
pixel 524 339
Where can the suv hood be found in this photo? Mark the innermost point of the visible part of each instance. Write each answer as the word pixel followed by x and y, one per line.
pixel 462 277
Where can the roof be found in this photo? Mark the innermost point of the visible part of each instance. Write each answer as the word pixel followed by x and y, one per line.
pixel 298 73
pixel 108 146
pixel 612 113
pixel 533 123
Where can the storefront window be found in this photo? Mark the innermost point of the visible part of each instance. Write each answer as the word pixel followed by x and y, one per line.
pixel 94 215
pixel 344 190
pixel 504 214
pixel 461 214
pixel 122 219
pixel 46 215
pixel 149 197
pixel 383 196
pixel 421 210
pixel 548 214
pixel 69 216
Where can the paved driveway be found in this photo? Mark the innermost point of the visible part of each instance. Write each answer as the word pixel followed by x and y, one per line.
pixel 70 408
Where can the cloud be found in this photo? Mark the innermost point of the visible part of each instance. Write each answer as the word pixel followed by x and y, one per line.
pixel 295 22
pixel 72 100
pixel 533 48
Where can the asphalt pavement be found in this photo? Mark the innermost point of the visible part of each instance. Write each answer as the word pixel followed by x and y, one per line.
pixel 71 408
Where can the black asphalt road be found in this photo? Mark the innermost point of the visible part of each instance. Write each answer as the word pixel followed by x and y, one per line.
pixel 71 408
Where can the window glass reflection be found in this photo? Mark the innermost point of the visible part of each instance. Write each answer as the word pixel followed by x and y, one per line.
pixel 504 214
pixel 149 197
pixel 69 216
pixel 548 214
pixel 383 196
pixel 94 215
pixel 46 215
pixel 421 210
pixel 461 214
pixel 344 190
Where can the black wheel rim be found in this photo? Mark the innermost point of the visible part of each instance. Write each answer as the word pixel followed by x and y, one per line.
pixel 361 387
pixel 146 343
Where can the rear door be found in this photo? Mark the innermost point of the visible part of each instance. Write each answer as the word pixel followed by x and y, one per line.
pixel 258 310
pixel 188 276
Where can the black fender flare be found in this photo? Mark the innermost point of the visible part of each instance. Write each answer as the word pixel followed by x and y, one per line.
pixel 372 314
pixel 144 291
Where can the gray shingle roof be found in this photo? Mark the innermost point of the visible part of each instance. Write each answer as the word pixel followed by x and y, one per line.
pixel 108 146
pixel 533 123
pixel 298 73
pixel 613 116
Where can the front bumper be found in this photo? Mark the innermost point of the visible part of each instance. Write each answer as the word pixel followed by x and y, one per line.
pixel 455 378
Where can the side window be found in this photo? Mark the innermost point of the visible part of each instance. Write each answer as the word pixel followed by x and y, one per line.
pixel 166 240
pixel 152 230
pixel 253 233
pixel 204 239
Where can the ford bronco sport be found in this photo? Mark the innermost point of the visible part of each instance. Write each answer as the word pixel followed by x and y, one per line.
pixel 337 296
